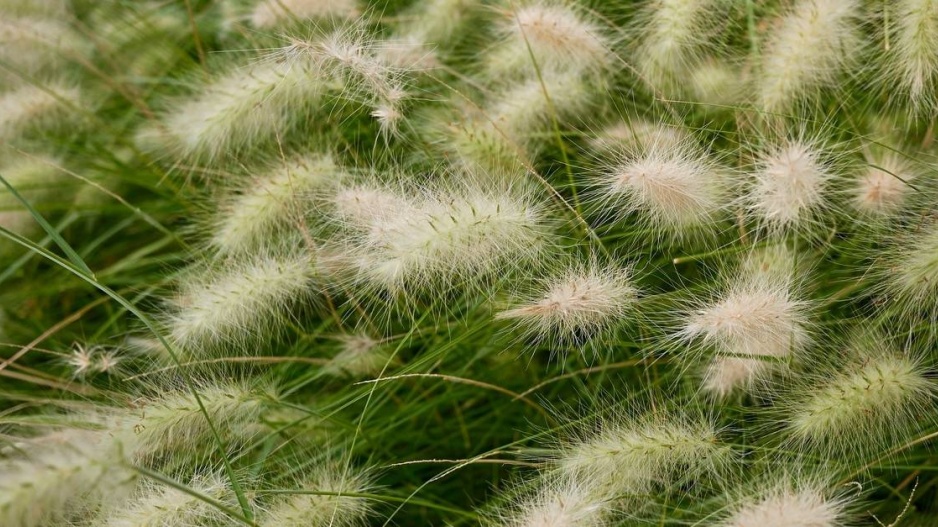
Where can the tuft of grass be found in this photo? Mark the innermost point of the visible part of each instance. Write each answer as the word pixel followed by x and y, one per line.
pixel 460 262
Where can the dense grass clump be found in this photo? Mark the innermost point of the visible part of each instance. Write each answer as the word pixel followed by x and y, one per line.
pixel 529 263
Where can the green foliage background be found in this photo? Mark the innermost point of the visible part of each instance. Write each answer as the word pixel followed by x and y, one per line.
pixel 462 417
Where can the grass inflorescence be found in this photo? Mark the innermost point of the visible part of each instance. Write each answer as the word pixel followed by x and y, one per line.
pixel 529 263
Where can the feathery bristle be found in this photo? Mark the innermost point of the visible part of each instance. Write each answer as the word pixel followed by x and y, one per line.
pixel 431 28
pixel 450 236
pixel 166 428
pixel 271 202
pixel 562 502
pixel 882 189
pixel 785 506
pixel 363 206
pixel 64 475
pixel 237 305
pixel 807 50
pixel 333 508
pixel 910 271
pixel 912 57
pixel 757 317
pixel 242 108
pixel 629 456
pixel 718 84
pixel 552 35
pixel 578 304
pixel 32 108
pixel 867 402
pixel 670 39
pixel 790 185
pixel 726 375
pixel 676 189
pixel 636 136
pixel 161 506
pixel 32 44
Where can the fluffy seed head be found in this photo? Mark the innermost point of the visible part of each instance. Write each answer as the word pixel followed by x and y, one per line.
pixel 637 136
pixel 271 13
pixel 807 50
pixel 363 206
pixel 88 360
pixel 270 202
pixel 675 189
pixel 513 122
pixel 529 107
pixel 236 305
pixel 160 506
pixel 874 397
pixel 169 427
pixel 499 138
pixel 726 375
pixel 389 115
pixel 62 475
pixel 882 188
pixel 477 147
pixel 576 305
pixel 242 108
pixel 671 35
pixel 912 57
pixel 790 182
pixel 559 38
pixel 324 510
pixel 754 325
pixel 30 44
pixel 439 20
pixel 713 82
pixel 450 236
pixel 911 271
pixel 355 62
pixel 561 502
pixel 33 108
pixel 629 456
pixel 431 28
pixel 786 506
pixel 349 54
pixel 757 317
